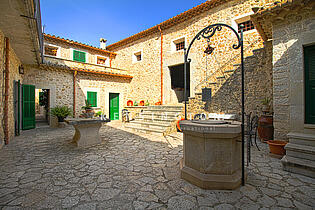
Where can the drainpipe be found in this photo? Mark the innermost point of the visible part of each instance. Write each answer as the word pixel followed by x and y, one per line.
pixel 74 87
pixel 159 27
pixel 110 60
pixel 6 91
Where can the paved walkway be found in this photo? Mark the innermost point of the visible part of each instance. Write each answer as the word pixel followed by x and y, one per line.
pixel 42 169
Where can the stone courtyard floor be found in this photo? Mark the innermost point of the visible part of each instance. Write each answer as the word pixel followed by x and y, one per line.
pixel 42 169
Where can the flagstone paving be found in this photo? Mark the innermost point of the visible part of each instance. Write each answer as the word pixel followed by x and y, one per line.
pixel 42 169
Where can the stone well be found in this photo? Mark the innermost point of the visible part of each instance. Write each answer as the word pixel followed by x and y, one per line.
pixel 212 154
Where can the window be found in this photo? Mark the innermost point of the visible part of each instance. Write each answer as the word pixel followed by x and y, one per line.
pixel 180 46
pixel 92 98
pixel 309 64
pixel 137 56
pixel 248 25
pixel 79 56
pixel 101 60
pixel 51 50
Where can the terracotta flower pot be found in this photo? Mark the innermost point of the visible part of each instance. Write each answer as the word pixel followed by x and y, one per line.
pixel 265 127
pixel 277 147
pixel 130 103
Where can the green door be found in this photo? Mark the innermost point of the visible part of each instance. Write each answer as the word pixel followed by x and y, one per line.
pixel 114 106
pixel 28 107
pixel 309 53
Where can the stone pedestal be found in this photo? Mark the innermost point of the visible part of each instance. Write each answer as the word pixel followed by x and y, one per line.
pixel 212 155
pixel 86 131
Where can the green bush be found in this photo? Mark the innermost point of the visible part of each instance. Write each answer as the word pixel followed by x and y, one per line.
pixel 61 112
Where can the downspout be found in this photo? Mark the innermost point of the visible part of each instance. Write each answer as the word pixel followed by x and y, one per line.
pixel 6 91
pixel 159 27
pixel 74 93
pixel 110 60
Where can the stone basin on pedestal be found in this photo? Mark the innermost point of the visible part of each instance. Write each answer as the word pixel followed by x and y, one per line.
pixel 212 154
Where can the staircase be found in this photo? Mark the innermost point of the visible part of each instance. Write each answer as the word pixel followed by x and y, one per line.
pixel 300 154
pixel 156 119
pixel 227 76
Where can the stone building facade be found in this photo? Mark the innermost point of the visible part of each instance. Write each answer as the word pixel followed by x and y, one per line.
pixel 14 63
pixel 69 80
pixel 19 45
pixel 291 26
pixel 157 45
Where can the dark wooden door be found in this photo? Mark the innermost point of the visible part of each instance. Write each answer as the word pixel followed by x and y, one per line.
pixel 309 54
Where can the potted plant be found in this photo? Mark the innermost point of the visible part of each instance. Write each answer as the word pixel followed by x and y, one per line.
pixel 61 112
pixel 136 103
pixel 265 122
pixel 147 103
pixel 88 107
pixel 266 105
pixel 130 103
pixel 142 103
pixel 88 110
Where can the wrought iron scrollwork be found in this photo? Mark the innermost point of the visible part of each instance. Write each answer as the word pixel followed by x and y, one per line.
pixel 209 32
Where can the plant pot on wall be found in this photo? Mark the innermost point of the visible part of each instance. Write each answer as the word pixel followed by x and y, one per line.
pixel 265 127
pixel 130 103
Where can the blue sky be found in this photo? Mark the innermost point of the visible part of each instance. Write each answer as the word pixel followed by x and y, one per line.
pixel 87 21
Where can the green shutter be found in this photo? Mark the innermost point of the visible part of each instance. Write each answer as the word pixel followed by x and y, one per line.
pixel 309 62
pixel 79 56
pixel 28 107
pixel 92 98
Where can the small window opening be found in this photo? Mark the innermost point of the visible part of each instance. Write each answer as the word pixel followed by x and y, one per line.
pixel 101 60
pixel 138 56
pixel 180 46
pixel 248 25
pixel 50 50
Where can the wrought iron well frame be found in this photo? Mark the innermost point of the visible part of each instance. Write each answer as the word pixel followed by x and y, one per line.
pixel 207 33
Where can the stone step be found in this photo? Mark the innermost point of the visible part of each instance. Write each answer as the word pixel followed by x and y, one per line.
pixel 163 107
pixel 300 151
pixel 229 71
pixel 163 110
pixel 161 115
pixel 298 165
pixel 151 124
pixel 144 130
pixel 155 119
pixel 220 77
pixel 302 138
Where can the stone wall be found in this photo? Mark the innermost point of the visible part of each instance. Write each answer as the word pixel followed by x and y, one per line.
pixel 146 84
pixel 227 99
pixel 13 75
pixel 289 37
pixel 60 84
pixel 103 86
